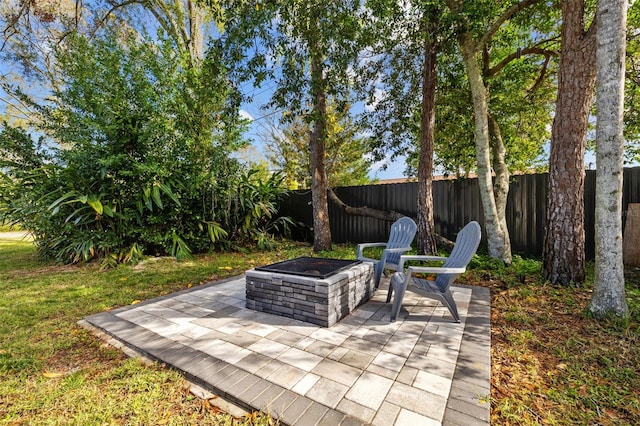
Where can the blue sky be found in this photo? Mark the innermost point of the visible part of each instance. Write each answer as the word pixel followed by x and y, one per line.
pixel 259 119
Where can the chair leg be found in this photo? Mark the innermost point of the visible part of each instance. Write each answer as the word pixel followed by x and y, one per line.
pixel 379 267
pixel 397 303
pixel 447 299
pixel 396 281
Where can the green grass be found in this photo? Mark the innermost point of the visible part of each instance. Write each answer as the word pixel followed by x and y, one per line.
pixel 53 371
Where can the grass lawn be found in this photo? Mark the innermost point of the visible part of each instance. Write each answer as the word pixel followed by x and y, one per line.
pixel 551 363
pixel 52 371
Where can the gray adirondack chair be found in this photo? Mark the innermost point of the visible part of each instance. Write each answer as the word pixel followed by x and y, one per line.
pixel 465 247
pixel 400 237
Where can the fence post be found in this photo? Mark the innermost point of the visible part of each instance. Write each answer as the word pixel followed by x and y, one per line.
pixel 631 239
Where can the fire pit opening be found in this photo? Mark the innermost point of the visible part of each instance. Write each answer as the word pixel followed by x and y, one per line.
pixel 310 266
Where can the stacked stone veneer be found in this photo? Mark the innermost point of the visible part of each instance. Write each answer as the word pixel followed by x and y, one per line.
pixel 319 301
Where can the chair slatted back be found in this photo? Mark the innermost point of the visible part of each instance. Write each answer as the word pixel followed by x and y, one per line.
pixel 401 235
pixel 467 243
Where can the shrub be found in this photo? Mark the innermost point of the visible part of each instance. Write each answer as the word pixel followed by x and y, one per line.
pixel 135 158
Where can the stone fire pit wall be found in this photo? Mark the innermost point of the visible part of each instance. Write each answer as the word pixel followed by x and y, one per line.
pixel 318 301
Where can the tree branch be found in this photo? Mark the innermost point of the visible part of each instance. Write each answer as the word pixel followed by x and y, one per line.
pixel 389 215
pixel 109 12
pixel 540 79
pixel 364 210
pixel 517 55
pixel 10 28
pixel 502 19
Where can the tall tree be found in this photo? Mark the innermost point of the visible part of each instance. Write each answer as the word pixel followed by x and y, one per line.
pixel 413 37
pixel 474 40
pixel 520 100
pixel 318 138
pixel 426 233
pixel 609 293
pixel 407 38
pixel 564 254
pixel 309 48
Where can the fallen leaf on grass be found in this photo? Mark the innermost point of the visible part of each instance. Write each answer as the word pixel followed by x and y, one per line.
pixel 611 413
pixel 228 268
pixel 135 302
pixel 51 375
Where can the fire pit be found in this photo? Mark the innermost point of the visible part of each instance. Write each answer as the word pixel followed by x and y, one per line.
pixel 310 266
pixel 316 290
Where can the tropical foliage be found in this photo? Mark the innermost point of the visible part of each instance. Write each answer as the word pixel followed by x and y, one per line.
pixel 134 156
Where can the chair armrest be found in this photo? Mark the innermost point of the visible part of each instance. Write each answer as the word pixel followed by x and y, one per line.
pixel 434 270
pixel 419 257
pixel 398 250
pixel 362 246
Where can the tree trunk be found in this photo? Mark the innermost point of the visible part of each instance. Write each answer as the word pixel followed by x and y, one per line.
pixel 501 182
pixel 319 184
pixel 497 235
pixel 609 293
pixel 196 36
pixel 426 235
pixel 563 252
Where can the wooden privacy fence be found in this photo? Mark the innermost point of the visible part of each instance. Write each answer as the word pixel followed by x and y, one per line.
pixel 456 202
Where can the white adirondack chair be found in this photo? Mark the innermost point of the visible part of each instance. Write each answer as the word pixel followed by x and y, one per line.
pixel 465 247
pixel 401 235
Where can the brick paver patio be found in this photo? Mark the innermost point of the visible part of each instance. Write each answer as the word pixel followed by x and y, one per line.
pixel 424 369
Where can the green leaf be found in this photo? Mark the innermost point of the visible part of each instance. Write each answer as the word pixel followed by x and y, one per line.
pixel 62 200
pixel 108 211
pixel 215 231
pixel 155 194
pixel 169 193
pixel 147 199
pixel 179 248
pixel 95 204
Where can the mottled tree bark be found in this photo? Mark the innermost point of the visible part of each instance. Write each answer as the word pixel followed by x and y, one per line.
pixel 563 256
pixel 609 292
pixel 195 37
pixel 493 194
pixel 426 236
pixel 502 175
pixel 319 183
pixel 497 235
